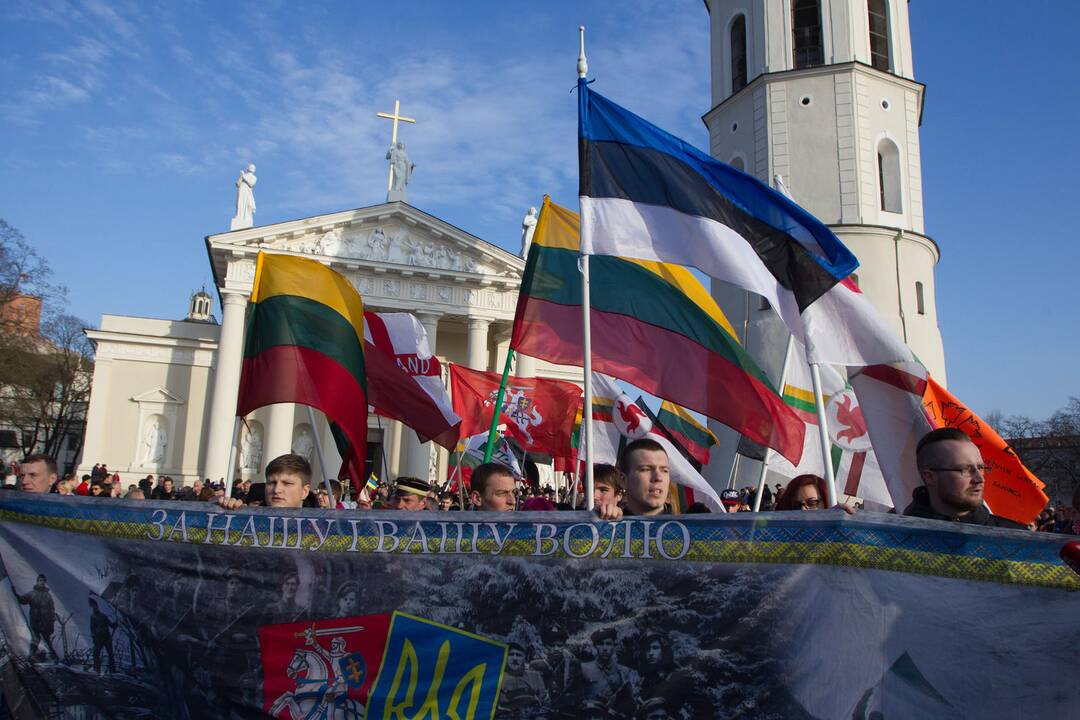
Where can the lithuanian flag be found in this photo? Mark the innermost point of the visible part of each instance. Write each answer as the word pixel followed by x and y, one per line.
pixel 653 325
pixel 305 344
pixel 687 431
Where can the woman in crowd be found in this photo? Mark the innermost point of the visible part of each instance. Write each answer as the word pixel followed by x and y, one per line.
pixel 805 492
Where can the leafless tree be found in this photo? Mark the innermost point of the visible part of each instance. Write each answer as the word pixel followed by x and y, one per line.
pixel 1049 448
pixel 45 385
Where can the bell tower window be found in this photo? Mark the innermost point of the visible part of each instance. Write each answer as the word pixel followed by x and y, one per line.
pixel 888 165
pixel 878 12
pixel 807 44
pixel 738 53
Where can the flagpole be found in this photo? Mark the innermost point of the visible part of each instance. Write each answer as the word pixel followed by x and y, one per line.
pixel 386 470
pixel 765 461
pixel 823 432
pixel 230 475
pixel 492 431
pixel 322 460
pixel 734 471
pixel 587 425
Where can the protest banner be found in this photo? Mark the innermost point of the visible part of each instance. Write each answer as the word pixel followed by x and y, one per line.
pixel 113 608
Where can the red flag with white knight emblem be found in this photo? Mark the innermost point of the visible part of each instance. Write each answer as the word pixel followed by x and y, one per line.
pixel 539 413
pixel 321 668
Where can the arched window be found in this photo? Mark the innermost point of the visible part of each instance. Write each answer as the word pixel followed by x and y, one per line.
pixel 888 166
pixel 878 12
pixel 737 163
pixel 738 53
pixel 920 301
pixel 806 33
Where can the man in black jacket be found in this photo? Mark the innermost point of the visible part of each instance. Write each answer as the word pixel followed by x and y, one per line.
pixel 952 472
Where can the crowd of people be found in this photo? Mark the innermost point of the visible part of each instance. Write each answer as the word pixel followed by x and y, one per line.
pixel 948 463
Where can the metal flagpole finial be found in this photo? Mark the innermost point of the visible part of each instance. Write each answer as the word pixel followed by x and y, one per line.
pixel 582 63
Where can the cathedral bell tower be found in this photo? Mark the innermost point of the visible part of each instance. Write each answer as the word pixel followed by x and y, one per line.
pixel 822 93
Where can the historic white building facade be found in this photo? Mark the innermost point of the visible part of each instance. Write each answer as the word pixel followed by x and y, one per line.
pixel 164 392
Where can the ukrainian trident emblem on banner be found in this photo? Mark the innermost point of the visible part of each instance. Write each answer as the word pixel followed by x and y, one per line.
pixel 321 669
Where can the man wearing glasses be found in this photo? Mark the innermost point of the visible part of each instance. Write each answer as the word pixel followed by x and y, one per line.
pixel 952 471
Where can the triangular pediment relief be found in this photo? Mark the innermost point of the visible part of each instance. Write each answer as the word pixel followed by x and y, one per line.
pixel 158 395
pixel 392 234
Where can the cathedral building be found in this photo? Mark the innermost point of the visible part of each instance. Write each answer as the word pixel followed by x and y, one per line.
pixel 164 393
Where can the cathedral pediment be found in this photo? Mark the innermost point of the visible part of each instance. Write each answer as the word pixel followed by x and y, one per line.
pixel 157 395
pixel 388 236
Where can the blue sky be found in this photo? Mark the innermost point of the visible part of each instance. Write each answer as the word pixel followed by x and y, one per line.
pixel 123 126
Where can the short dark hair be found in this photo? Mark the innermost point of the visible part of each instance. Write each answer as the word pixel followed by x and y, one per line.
pixel 605 633
pixel 936 436
pixel 609 475
pixel 290 463
pixel 632 447
pixel 482 473
pixel 49 460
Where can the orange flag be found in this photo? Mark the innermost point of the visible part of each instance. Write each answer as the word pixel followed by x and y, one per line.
pixel 1012 491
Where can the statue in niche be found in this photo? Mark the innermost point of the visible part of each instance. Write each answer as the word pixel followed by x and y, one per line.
pixel 528 227
pixel 154 443
pixel 251 449
pixel 304 444
pixel 245 200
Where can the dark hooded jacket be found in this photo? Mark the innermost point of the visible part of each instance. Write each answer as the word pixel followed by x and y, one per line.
pixel 920 507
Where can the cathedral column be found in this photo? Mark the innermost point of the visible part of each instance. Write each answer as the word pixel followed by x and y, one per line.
pixel 393 458
pixel 477 352
pixel 525 366
pixel 279 431
pixel 226 385
pixel 417 455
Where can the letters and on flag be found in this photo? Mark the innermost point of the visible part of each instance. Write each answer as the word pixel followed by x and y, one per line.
pixel 901 403
pixel 402 338
pixel 304 344
pixel 404 383
pixel 653 325
pixel 539 413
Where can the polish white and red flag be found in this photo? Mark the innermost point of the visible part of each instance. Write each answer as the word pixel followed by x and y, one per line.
pixel 405 380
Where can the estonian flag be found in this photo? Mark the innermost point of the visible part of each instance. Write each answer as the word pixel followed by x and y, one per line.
pixel 647 194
